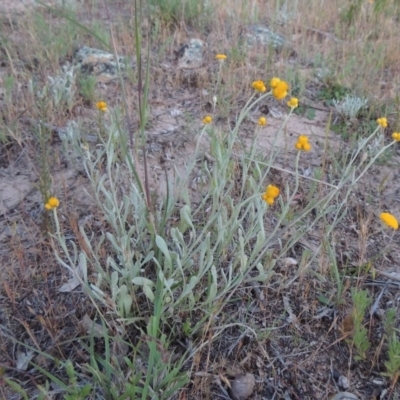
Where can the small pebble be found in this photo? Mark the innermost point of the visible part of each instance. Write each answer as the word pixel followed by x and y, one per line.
pixel 242 386
pixel 343 382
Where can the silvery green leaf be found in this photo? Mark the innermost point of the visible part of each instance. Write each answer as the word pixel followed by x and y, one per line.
pixel 260 243
pixel 186 218
pixel 179 264
pixel 212 292
pixel 148 257
pixel 142 281
pixel 191 300
pixel 214 273
pixel 224 278
pixel 97 293
pixel 122 293
pixel 99 280
pixel 260 268
pixel 111 262
pixel 116 246
pixel 259 278
pixel 167 283
pixel 127 304
pixel 148 292
pixel 189 287
pixel 163 247
pixel 243 262
pixel 177 235
pixel 114 283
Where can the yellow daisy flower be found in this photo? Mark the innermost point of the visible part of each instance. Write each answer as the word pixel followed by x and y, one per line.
pixel 302 143
pixel 382 122
pixel 396 136
pixel 270 194
pixel 221 57
pixel 52 202
pixel 280 91
pixel 207 119
pixel 389 220
pixel 272 191
pixel 274 82
pixel 259 86
pixel 102 106
pixel 293 102
pixel 262 121
pixel 268 200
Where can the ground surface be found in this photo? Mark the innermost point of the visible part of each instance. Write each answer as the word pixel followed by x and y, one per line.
pixel 303 354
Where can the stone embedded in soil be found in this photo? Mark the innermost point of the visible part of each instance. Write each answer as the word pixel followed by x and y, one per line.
pixel 242 386
pixel 344 396
pixel 98 63
pixel 190 55
pixel 343 382
pixel 258 34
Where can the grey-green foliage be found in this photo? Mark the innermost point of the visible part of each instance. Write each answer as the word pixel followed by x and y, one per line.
pixel 350 107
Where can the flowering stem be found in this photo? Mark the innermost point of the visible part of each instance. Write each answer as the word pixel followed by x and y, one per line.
pixel 218 77
pixel 57 222
pixel 372 161
pixel 291 172
pixel 247 107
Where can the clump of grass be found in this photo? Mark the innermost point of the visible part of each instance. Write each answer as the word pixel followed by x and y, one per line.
pixel 175 11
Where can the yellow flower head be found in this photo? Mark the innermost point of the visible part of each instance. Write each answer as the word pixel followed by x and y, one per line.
pixel 389 220
pixel 274 82
pixel 52 202
pixel 382 122
pixel 302 143
pixel 396 136
pixel 298 146
pixel 306 146
pixel 280 91
pixel 268 200
pixel 293 102
pixel 270 194
pixel 221 57
pixel 207 119
pixel 272 191
pixel 102 106
pixel 262 121
pixel 259 86
pixel 303 139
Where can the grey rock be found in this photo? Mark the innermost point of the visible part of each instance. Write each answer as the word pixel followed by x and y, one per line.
pixel 344 396
pixel 242 386
pixel 190 55
pixel 343 382
pixel 258 34
pixel 98 63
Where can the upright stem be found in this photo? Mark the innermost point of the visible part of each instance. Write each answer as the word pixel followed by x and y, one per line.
pixel 142 105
